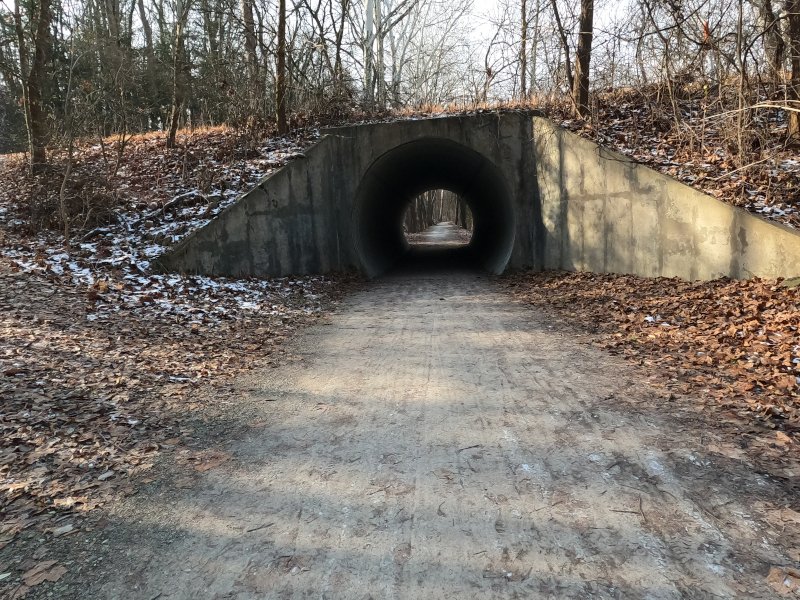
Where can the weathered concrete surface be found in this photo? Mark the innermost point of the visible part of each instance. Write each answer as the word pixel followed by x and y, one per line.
pixel 604 213
pixel 309 216
pixel 438 440
pixel 541 197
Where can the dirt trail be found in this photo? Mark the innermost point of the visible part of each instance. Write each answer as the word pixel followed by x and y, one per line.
pixel 440 441
pixel 441 236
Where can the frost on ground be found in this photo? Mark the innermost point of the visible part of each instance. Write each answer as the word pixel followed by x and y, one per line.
pixel 101 357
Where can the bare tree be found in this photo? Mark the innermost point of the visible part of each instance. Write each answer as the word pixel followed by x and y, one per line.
pixel 33 60
pixel 280 88
pixel 583 56
pixel 793 10
pixel 523 49
pixel 180 68
pixel 250 45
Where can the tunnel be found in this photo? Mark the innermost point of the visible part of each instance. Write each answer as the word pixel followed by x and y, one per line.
pixel 394 179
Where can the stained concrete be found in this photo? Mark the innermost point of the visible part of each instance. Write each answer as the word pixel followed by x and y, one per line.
pixel 541 198
pixel 604 213
pixel 340 207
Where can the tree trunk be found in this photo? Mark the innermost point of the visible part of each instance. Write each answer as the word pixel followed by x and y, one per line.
pixel 179 71
pixel 32 70
pixel 523 50
pixel 774 44
pixel 562 34
pixel 150 63
pixel 793 8
pixel 338 72
pixel 535 48
pixel 280 86
pixel 369 67
pixel 379 67
pixel 580 84
pixel 250 43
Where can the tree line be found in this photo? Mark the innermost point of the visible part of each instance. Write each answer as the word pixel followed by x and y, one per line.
pixel 82 68
pixel 437 206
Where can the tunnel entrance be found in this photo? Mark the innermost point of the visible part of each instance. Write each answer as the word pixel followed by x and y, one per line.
pixel 438 218
pixel 397 179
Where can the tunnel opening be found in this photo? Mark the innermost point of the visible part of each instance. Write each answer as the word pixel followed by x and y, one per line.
pixel 399 177
pixel 438 219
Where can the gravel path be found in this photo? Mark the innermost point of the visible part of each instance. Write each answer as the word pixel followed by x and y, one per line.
pixel 437 440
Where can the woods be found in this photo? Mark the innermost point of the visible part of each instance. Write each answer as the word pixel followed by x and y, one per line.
pixel 128 66
pixel 437 206
pixel 127 126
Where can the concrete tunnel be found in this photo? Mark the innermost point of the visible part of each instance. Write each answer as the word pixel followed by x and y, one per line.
pixel 398 176
pixel 540 196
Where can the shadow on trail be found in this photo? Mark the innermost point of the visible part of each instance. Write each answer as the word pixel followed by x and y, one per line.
pixel 436 260
pixel 438 251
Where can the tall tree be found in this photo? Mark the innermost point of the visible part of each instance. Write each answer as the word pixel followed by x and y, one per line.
pixel 562 34
pixel 369 60
pixel 280 84
pixel 523 50
pixel 180 68
pixel 150 66
pixel 583 56
pixel 338 71
pixel 774 45
pixel 33 61
pixel 793 10
pixel 250 45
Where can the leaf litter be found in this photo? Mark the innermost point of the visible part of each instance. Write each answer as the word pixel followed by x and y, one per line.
pixel 690 138
pixel 732 347
pixel 101 358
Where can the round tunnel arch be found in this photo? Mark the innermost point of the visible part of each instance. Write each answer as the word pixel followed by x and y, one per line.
pixel 404 172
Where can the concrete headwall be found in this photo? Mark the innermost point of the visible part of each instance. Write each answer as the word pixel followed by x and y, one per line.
pixel 542 198
pixel 291 222
pixel 303 218
pixel 603 213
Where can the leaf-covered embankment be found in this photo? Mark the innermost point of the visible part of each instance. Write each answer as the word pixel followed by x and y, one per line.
pixel 733 346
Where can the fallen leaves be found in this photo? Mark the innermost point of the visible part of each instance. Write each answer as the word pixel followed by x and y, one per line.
pixel 101 357
pixel 733 345
pixel 208 460
pixel 690 137
pixel 48 570
pixel 88 404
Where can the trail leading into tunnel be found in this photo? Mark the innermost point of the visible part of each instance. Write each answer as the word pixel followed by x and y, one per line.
pixel 438 440
pixel 441 236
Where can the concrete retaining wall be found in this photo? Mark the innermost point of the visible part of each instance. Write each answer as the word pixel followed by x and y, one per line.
pixel 601 212
pixel 291 222
pixel 301 218
pixel 569 204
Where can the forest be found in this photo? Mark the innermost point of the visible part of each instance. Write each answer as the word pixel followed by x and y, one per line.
pixel 88 69
pixel 126 125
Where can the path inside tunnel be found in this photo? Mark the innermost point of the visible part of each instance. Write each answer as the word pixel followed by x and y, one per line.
pixel 438 440
pixel 441 236
pixel 438 250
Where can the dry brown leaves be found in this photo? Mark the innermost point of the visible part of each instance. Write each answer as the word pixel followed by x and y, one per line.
pixel 101 360
pixel 89 403
pixel 699 146
pixel 139 172
pixel 734 346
